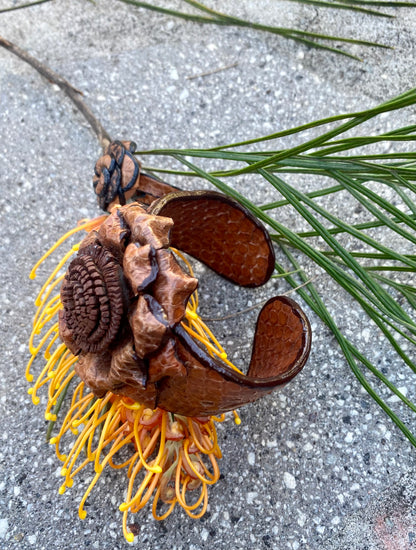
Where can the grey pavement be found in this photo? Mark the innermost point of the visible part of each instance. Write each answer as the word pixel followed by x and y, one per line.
pixel 315 466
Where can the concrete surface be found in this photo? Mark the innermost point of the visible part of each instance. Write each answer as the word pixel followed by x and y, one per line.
pixel 317 466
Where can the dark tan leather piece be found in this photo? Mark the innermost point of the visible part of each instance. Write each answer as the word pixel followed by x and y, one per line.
pixel 113 233
pixel 192 383
pixel 221 233
pixel 173 287
pixel 281 348
pixel 165 363
pixel 148 189
pixel 147 228
pixel 140 266
pixel 282 340
pixel 148 330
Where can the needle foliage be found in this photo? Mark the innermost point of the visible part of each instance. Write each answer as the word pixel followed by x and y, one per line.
pixel 201 13
pixel 377 276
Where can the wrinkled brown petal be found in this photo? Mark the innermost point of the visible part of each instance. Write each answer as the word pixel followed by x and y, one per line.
pixel 173 287
pixel 94 370
pixel 148 325
pixel 146 228
pixel 113 234
pixel 140 266
pixel 126 368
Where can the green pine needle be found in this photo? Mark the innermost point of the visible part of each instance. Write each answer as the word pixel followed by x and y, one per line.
pixel 21 6
pixel 310 39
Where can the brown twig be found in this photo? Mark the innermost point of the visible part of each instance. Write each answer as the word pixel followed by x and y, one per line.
pixel 69 90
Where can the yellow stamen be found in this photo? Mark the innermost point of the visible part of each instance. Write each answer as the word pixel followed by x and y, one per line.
pixel 154 507
pixel 190 463
pixel 237 419
pixel 87 226
pixel 54 273
pixel 183 494
pixel 34 351
pixel 118 443
pixel 136 428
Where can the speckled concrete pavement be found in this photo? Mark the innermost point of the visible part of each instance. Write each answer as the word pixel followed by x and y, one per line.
pixel 315 466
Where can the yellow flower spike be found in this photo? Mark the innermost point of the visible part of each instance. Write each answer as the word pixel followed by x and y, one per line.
pixel 134 468
pixel 204 507
pixel 178 483
pixel 101 427
pixel 35 350
pixel 43 378
pixel 45 314
pixel 59 390
pixel 128 535
pixel 143 500
pixel 196 440
pixel 138 466
pixel 61 368
pixel 127 505
pixel 190 314
pixel 67 423
pixel 78 446
pixel 157 468
pixel 70 478
pixel 237 418
pixel 132 406
pixel 94 407
pixel 123 464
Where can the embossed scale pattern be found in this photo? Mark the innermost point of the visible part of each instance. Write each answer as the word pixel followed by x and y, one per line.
pixel 280 338
pixel 222 234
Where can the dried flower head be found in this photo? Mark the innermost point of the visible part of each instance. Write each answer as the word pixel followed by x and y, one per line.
pixel 152 373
